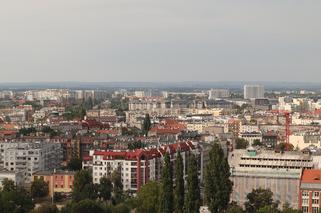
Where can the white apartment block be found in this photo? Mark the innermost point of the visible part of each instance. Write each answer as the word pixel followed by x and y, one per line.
pixel 218 93
pixel 253 91
pixel 30 157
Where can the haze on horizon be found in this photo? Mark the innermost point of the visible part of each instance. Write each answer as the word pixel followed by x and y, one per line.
pixel 167 40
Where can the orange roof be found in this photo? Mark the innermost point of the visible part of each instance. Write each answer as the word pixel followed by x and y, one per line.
pixel 311 176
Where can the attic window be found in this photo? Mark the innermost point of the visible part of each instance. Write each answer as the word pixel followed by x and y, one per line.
pixel 317 177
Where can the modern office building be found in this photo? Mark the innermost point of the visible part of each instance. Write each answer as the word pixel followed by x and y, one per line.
pixel 253 91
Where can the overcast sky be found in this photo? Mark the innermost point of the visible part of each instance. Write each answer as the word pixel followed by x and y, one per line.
pixel 160 40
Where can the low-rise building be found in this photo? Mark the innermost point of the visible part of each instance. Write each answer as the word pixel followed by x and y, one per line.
pixel 58 181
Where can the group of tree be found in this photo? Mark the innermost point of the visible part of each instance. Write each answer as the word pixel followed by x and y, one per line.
pixel 169 196
pixel 260 201
pixel 107 196
pixel 75 164
pixel 14 199
pixel 241 143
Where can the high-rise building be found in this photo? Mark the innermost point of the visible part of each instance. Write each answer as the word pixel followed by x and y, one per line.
pixel 218 93
pixel 253 91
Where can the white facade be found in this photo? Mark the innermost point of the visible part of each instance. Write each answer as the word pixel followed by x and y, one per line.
pixel 218 93
pixel 253 91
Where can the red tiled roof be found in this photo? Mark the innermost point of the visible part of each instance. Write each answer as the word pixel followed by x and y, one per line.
pixel 311 176
pixel 150 153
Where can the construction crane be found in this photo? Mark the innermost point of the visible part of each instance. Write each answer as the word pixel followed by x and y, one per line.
pixel 288 121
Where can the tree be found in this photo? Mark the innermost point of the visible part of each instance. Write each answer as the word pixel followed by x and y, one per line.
pixel 167 197
pixel 192 199
pixel 284 147
pixel 46 208
pixel 241 143
pixel 147 124
pixel 117 187
pixel 268 209
pixel 86 206
pixel 258 199
pixel 234 208
pixel 8 185
pixel 39 188
pixel 257 142
pixel 75 164
pixel 148 197
pixel 15 201
pixel 83 186
pixel 288 209
pixel 105 188
pixel 218 186
pixel 179 184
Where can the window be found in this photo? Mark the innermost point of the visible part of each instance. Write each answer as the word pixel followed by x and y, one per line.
pixel 305 209
pixel 315 209
pixel 305 202
pixel 316 194
pixel 305 194
pixel 315 201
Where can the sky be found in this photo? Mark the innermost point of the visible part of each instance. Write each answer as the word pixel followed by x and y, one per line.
pixel 160 40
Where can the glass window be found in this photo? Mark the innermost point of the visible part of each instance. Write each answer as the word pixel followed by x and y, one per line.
pixel 316 194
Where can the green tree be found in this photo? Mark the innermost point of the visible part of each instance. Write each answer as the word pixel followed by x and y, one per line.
pixel 105 188
pixel 288 209
pixel 234 208
pixel 121 208
pixel 46 208
pixel 117 187
pixel 86 206
pixel 192 198
pixel 75 164
pixel 148 197
pixel 8 185
pixel 218 186
pixel 259 199
pixel 241 143
pixel 179 184
pixel 257 142
pixel 39 188
pixel 268 209
pixel 167 197
pixel 16 201
pixel 83 186
pixel 147 124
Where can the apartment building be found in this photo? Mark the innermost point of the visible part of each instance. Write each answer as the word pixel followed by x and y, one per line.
pixel 279 172
pixel 30 157
pixel 310 191
pixel 139 166
pixel 253 91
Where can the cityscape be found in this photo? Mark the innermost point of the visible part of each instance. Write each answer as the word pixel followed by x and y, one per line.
pixel 171 106
pixel 129 150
